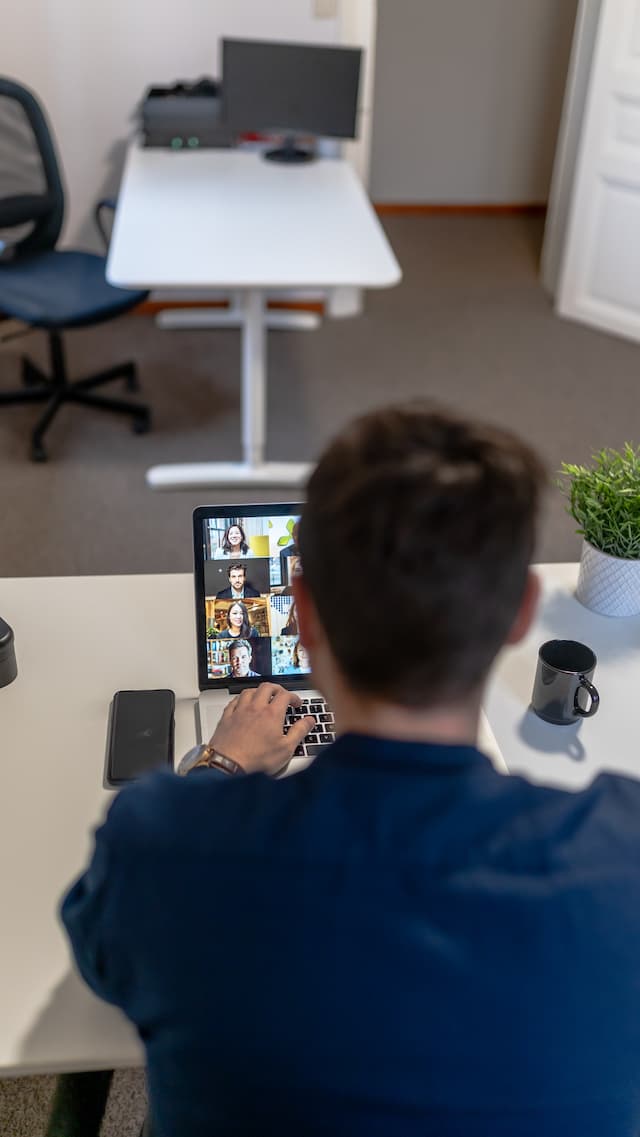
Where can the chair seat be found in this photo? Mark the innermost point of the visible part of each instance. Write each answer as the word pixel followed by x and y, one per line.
pixel 64 289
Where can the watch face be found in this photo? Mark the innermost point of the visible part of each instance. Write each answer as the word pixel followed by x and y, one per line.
pixel 191 757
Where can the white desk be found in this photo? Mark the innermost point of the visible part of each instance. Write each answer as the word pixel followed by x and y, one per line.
pixel 230 219
pixel 79 639
pixel 569 756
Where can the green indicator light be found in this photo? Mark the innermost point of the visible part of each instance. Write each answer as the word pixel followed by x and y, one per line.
pixel 176 143
pixel 193 142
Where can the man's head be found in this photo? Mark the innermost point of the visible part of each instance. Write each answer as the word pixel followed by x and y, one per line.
pixel 240 658
pixel 419 526
pixel 237 575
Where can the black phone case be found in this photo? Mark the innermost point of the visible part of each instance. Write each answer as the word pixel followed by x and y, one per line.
pixel 140 737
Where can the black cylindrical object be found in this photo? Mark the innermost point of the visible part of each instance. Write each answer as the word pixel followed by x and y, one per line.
pixel 8 664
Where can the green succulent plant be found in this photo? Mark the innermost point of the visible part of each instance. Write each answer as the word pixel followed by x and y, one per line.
pixel 604 498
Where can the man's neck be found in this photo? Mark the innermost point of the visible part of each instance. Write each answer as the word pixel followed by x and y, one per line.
pixel 451 724
pixel 237 593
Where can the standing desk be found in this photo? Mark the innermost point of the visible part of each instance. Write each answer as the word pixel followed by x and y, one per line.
pixel 229 219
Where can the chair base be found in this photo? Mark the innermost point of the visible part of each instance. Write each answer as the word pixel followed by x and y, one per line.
pixel 55 390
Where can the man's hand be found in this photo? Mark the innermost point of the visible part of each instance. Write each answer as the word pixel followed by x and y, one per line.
pixel 251 730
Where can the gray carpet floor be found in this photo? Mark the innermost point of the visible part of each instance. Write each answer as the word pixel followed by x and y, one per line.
pixel 469 325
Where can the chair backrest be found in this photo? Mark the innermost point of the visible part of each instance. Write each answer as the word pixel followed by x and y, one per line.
pixel 31 191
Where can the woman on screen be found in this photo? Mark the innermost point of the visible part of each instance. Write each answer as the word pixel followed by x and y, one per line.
pixel 291 626
pixel 234 543
pixel 238 625
pixel 300 658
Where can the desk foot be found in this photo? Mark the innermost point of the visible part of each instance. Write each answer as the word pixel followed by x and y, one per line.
pixel 184 318
pixel 79 1104
pixel 204 475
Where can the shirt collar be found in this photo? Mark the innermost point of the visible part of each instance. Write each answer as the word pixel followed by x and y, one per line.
pixel 365 750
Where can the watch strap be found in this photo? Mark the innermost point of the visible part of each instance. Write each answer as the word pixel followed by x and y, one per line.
pixel 204 756
pixel 221 762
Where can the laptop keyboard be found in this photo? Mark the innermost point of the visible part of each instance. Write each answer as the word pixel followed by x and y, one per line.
pixel 313 743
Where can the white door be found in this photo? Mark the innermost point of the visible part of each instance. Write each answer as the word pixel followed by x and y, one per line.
pixel 600 277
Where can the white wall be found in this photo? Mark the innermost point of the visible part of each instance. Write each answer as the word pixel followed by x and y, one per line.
pixel 468 96
pixel 89 62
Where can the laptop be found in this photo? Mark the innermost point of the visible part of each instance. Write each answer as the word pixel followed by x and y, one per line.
pixel 245 558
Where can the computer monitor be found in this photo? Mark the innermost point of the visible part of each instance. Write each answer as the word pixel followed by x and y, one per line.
pixel 290 88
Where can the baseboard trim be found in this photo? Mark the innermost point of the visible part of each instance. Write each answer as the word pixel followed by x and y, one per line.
pixel 417 209
pixel 152 307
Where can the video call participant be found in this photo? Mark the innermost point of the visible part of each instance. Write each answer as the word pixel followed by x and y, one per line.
pixel 234 543
pixel 290 550
pixel 238 623
pixel 300 657
pixel 239 587
pixel 291 626
pixel 240 658
pixel 407 943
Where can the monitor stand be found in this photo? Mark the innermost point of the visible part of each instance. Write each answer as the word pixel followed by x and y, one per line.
pixel 289 153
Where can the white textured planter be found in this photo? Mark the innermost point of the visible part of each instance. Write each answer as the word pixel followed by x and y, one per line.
pixel 609 585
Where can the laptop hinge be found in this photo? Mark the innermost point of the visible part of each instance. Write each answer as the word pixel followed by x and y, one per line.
pixel 294 683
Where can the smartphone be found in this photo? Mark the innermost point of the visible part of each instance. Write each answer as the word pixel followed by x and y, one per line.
pixel 140 736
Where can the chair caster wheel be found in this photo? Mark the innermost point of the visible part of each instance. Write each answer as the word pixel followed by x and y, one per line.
pixel 38 452
pixel 142 423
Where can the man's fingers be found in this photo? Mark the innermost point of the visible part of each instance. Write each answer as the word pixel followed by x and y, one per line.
pixel 299 730
pixel 267 692
pixel 230 707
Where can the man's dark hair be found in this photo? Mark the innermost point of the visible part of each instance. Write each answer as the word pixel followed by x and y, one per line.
pixel 237 645
pixel 236 565
pixel 435 516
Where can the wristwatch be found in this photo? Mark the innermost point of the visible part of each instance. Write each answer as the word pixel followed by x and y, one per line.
pixel 205 756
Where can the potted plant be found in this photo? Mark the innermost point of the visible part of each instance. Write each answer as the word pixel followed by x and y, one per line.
pixel 604 498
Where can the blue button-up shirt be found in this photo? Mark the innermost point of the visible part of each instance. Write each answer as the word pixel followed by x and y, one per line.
pixel 398 942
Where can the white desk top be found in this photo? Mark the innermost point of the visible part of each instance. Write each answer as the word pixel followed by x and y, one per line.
pixel 79 639
pixel 569 756
pixel 228 218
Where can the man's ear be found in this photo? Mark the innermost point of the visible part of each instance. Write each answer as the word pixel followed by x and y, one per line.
pixel 307 616
pixel 527 610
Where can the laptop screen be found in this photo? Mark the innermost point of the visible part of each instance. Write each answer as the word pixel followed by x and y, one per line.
pixel 245 558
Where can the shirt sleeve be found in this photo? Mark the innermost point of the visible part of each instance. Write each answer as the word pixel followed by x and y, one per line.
pixel 91 911
pixel 84 915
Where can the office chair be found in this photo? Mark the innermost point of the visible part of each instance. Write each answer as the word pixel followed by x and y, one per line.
pixel 46 288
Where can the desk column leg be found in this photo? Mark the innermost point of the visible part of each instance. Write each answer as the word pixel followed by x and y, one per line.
pixel 254 374
pixel 79 1104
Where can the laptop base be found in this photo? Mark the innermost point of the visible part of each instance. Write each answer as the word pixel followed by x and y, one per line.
pixel 211 704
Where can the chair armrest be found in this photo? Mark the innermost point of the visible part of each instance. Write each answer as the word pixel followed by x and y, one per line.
pixel 105 203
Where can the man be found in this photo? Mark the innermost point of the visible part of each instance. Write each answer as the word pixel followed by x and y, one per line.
pixel 238 587
pixel 290 556
pixel 240 660
pixel 398 941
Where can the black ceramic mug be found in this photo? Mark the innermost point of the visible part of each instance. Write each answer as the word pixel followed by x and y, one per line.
pixel 8 665
pixel 565 668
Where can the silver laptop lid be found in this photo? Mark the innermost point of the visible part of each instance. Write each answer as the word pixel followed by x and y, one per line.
pixel 245 557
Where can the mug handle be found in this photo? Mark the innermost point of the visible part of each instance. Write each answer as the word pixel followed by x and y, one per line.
pixel 595 698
